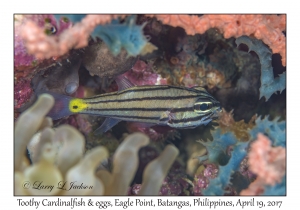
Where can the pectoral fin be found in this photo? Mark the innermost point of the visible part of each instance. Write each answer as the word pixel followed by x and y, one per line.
pixel 164 117
pixel 106 125
pixel 123 83
pixel 167 117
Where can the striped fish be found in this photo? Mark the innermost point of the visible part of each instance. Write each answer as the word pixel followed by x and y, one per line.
pixel 177 107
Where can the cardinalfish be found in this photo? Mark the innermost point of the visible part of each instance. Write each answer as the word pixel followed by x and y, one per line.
pixel 177 107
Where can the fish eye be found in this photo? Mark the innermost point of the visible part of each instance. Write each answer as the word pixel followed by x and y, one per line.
pixel 202 106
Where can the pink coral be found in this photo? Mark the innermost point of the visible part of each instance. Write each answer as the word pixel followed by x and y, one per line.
pixel 269 163
pixel 266 161
pixel 22 59
pixel 44 46
pixel 268 28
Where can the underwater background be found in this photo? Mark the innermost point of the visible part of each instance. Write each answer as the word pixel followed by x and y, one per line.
pixel 239 59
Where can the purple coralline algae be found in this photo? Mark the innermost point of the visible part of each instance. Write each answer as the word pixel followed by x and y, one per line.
pixel 22 93
pixel 201 180
pixel 143 74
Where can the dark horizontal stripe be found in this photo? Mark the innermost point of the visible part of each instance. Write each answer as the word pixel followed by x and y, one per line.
pixel 118 116
pixel 143 99
pixel 190 119
pixel 150 88
pixel 151 118
pixel 174 110
pixel 155 98
pixel 157 118
pixel 133 89
pixel 132 117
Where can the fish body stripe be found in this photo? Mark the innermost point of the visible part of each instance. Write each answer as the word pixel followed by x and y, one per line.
pixel 154 116
pixel 162 105
pixel 140 99
pixel 137 89
pixel 184 109
pixel 149 93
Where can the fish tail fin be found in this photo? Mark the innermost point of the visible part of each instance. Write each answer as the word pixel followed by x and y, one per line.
pixel 61 106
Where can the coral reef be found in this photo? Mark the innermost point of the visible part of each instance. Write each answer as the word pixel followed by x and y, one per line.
pixel 22 92
pixel 155 133
pixel 115 35
pixel 67 70
pixel 23 60
pixel 239 129
pixel 238 59
pixel 270 172
pixel 57 157
pixel 227 163
pixel 97 52
pixel 262 26
pixel 269 85
pixel 215 64
pixel 175 183
pixel 201 179
pixel 143 74
pixel 228 156
pixel 268 28
pixel 130 36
